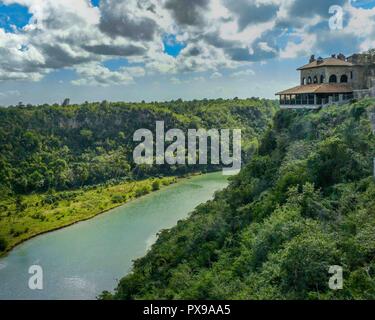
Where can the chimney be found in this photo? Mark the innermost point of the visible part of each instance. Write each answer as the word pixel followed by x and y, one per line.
pixel 312 58
pixel 341 57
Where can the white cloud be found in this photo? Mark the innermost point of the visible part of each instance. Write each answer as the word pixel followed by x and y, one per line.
pixel 196 79
pixel 216 75
pixel 243 73
pixel 93 74
pixel 303 48
pixel 219 34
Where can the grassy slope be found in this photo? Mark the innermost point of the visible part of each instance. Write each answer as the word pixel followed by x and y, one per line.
pixel 304 203
pixel 39 213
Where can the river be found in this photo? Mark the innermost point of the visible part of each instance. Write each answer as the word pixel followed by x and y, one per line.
pixel 82 260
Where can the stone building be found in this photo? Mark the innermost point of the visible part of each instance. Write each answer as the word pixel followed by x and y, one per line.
pixel 333 80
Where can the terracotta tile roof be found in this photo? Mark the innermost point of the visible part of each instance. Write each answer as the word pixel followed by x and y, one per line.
pixel 319 88
pixel 334 62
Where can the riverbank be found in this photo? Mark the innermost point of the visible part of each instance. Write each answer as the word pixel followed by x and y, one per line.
pixel 25 217
pixel 82 261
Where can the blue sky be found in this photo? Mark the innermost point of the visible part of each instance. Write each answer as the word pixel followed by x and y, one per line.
pixel 95 3
pixel 366 4
pixel 172 46
pixel 133 51
pixel 13 15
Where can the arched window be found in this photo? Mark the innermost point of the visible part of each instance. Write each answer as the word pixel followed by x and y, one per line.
pixel 303 81
pixel 333 79
pixel 309 80
pixel 315 79
pixel 322 79
pixel 344 78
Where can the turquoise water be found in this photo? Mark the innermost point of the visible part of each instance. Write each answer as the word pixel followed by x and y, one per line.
pixel 82 260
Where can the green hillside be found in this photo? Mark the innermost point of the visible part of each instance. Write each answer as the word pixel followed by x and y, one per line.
pixel 63 164
pixel 63 147
pixel 305 202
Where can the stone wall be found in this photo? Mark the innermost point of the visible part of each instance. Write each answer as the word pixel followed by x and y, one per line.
pixel 328 71
pixel 365 69
pixel 362 58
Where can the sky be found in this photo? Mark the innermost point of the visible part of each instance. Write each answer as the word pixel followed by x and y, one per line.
pixel 158 50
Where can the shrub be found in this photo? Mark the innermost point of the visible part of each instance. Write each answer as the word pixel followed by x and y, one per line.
pixel 156 185
pixel 142 191
pixel 117 198
pixel 3 244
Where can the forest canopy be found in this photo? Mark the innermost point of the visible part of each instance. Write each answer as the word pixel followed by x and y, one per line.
pixel 70 146
pixel 303 203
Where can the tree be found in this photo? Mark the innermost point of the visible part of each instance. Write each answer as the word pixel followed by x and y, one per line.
pixel 66 102
pixel 36 181
pixel 334 162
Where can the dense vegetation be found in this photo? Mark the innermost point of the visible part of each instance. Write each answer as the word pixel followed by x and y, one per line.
pixel 305 202
pixel 62 164
pixel 64 147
